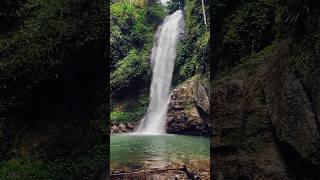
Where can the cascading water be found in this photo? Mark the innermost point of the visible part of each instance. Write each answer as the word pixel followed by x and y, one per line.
pixel 162 59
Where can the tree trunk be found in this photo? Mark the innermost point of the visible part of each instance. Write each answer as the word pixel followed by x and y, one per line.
pixel 204 13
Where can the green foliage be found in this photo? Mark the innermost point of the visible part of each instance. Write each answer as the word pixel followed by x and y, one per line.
pixel 132 113
pixel 247 30
pixel 298 17
pixel 250 29
pixel 246 27
pixel 255 56
pixel 49 32
pixel 154 15
pixel 44 41
pixel 117 116
pixel 134 67
pixel 132 31
pixel 132 27
pixel 193 49
pixel 127 28
pixel 246 61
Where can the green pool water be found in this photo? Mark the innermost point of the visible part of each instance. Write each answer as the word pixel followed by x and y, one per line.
pixel 136 152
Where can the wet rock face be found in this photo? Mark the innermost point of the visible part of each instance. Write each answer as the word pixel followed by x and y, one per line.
pixel 188 109
pixel 264 124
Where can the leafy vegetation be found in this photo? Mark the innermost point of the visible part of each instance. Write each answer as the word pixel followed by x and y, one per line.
pixel 193 50
pixel 133 25
pixel 50 53
pixel 297 17
pixel 133 67
pixel 133 111
pixel 248 27
pixel 48 34
pixel 243 28
pixel 120 116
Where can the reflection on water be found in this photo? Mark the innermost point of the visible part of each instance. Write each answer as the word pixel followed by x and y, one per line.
pixel 136 152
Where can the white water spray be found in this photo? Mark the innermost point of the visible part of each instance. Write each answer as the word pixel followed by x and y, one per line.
pixel 162 59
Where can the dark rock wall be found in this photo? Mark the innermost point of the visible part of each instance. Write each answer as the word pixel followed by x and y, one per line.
pixel 264 122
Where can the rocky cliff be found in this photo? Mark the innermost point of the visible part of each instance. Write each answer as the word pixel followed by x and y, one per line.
pixel 265 120
pixel 188 111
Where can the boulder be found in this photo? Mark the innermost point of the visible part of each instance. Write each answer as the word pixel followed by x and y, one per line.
pixel 188 109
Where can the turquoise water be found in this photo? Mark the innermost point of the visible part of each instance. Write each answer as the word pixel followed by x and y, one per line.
pixel 136 152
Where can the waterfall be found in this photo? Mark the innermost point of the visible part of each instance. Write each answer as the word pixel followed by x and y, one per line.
pixel 162 60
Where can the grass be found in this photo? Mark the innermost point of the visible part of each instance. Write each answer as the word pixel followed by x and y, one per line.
pixel 118 116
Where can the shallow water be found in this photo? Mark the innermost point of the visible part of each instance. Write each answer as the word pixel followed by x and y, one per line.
pixel 137 152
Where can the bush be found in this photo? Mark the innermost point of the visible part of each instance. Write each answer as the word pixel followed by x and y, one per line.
pixel 133 112
pixel 249 30
pixel 134 67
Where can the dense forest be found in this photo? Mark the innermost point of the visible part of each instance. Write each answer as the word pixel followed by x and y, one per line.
pixel 265 89
pixel 53 71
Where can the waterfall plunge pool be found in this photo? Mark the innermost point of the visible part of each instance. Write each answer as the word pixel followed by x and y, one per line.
pixel 135 152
